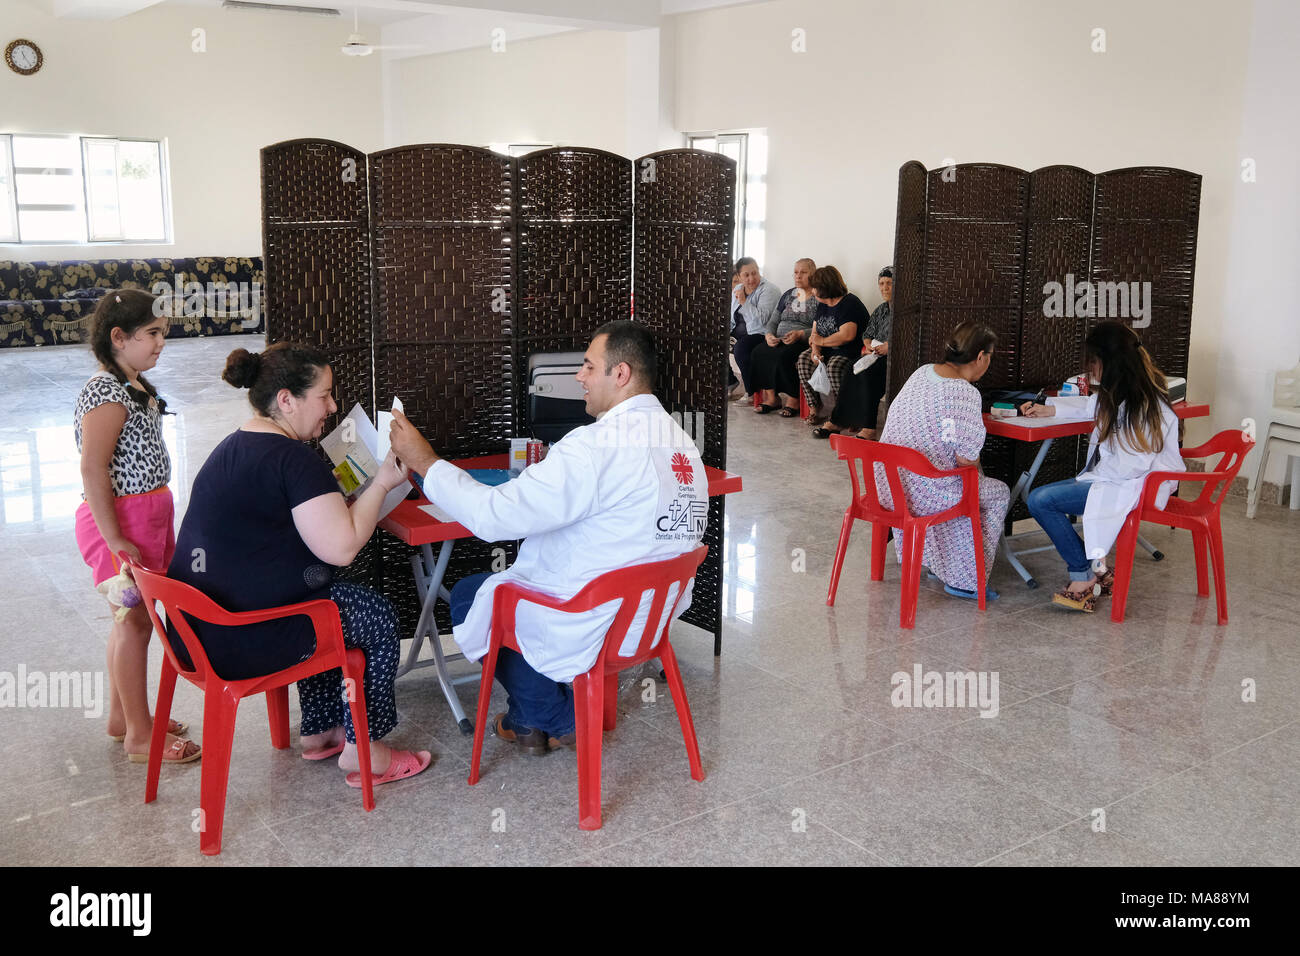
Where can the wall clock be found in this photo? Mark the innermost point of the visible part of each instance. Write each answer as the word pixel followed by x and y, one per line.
pixel 24 56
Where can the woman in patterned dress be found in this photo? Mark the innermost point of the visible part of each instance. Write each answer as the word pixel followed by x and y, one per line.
pixel 938 414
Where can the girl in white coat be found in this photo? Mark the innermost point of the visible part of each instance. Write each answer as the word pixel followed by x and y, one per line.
pixel 1136 433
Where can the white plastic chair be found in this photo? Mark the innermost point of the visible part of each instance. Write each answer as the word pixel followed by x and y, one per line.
pixel 1281 435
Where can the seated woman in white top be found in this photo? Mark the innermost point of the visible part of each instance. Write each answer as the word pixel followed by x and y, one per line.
pixel 1136 434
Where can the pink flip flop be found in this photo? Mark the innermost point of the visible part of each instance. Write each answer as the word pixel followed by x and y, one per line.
pixel 324 753
pixel 404 763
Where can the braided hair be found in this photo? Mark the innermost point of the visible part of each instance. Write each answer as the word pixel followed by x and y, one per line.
pixel 128 310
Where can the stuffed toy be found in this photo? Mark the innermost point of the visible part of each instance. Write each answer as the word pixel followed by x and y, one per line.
pixel 121 592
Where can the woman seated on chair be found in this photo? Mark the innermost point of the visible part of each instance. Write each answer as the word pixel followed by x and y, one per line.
pixel 938 414
pixel 772 363
pixel 858 404
pixel 1136 433
pixel 834 340
pixel 267 526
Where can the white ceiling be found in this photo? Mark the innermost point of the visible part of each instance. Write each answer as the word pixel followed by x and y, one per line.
pixel 579 14
pixel 410 28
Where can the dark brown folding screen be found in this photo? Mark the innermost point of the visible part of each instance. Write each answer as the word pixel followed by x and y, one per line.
pixel 684 219
pixel 432 272
pixel 441 224
pixel 574 251
pixel 982 242
pixel 316 252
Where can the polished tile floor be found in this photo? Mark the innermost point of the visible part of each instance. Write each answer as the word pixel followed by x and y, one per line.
pixel 1162 740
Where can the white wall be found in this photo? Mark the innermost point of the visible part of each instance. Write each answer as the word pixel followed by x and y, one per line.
pixel 567 89
pixel 264 78
pixel 885 81
pixel 1261 313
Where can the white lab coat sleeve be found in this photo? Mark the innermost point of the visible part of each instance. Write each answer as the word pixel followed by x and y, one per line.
pixel 1074 407
pixel 553 493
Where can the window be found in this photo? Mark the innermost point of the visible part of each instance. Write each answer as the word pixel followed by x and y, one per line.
pixel 81 189
pixel 8 204
pixel 518 149
pixel 749 150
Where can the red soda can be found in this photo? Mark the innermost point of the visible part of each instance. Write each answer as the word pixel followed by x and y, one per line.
pixel 534 452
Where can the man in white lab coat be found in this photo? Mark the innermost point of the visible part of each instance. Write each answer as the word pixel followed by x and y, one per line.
pixel 628 489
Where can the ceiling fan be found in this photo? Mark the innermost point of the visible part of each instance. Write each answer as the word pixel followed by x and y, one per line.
pixel 357 45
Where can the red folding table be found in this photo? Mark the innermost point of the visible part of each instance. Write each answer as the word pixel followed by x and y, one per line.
pixel 418 528
pixel 1046 430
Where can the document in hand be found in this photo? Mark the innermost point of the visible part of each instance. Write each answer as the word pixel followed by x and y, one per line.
pixel 868 360
pixel 353 449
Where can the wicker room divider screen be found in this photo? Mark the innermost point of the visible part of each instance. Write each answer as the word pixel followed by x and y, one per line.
pixel 684 220
pixel 432 272
pixel 316 229
pixel 979 241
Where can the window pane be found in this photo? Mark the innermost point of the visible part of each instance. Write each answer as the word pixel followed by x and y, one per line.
pixel 55 188
pixel 40 226
pixel 140 191
pixel 47 151
pixel 101 188
pixel 8 217
pixel 707 143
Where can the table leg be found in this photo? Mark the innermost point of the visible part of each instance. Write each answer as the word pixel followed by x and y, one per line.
pixel 1156 555
pixel 428 574
pixel 1023 484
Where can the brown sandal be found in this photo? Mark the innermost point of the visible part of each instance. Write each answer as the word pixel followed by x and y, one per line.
pixel 1085 601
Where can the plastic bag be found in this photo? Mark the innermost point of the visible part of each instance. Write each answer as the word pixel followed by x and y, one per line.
pixel 820 380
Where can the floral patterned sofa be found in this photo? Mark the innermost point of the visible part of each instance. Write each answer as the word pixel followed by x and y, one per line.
pixel 50 303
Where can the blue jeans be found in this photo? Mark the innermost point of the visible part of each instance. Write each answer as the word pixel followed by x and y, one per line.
pixel 533 699
pixel 1051 505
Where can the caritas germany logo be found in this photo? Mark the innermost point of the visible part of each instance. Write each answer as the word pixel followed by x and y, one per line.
pixel 682 469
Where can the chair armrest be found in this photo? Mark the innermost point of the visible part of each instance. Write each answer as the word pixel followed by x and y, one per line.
pixel 1156 478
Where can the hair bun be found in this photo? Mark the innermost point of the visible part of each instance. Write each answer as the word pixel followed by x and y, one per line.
pixel 242 367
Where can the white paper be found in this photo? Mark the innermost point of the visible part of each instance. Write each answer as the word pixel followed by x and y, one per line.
pixel 349 440
pixel 433 511
pixel 868 360
pixel 384 428
pixel 1044 422
pixel 363 452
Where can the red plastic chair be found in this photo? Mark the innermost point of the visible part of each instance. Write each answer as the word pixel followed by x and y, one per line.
pixel 1199 516
pixel 866 506
pixel 596 692
pixel 221 697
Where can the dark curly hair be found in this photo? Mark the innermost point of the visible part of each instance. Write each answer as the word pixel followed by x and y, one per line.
pixel 282 365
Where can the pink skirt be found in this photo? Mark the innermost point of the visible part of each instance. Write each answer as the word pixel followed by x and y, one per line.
pixel 145 520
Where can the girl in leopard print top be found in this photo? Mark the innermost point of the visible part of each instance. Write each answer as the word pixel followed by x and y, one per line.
pixel 125 469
